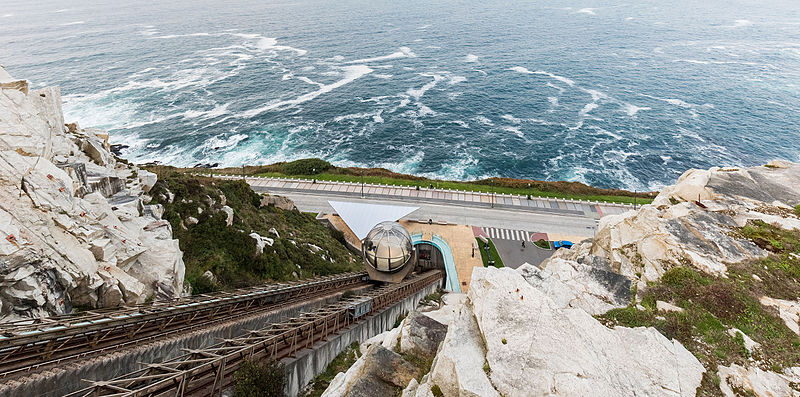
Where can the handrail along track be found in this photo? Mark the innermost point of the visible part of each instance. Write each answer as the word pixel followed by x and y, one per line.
pixel 207 371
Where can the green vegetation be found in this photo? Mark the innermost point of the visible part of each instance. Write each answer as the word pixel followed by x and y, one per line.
pixel 436 391
pixel 495 256
pixel 259 379
pixel 228 251
pixel 341 363
pixel 433 298
pixel 318 169
pixel 714 305
pixel 504 341
pixel 542 243
pixel 797 210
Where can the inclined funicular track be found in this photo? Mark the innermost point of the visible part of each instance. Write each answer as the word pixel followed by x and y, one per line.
pixel 29 345
pixel 208 371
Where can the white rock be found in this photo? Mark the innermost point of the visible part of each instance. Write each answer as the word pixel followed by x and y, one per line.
pixel 261 242
pixel 789 311
pixel 458 367
pixel 147 179
pixel 749 343
pixel 549 348
pixel 761 383
pixel 229 211
pixel 667 307
pixel 191 220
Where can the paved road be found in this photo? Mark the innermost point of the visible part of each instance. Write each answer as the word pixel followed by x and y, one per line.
pixel 455 213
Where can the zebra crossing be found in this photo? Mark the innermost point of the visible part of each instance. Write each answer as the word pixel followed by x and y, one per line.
pixel 507 234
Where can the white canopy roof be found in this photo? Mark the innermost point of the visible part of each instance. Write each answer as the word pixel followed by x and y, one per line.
pixel 362 217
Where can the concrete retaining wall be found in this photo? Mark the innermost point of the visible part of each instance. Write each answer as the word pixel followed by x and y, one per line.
pixel 311 362
pixel 68 378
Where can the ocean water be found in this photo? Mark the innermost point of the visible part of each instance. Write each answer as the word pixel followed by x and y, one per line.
pixel 613 93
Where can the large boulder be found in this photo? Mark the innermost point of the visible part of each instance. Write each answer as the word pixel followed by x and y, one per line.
pixel 421 334
pixel 534 346
pixel 379 372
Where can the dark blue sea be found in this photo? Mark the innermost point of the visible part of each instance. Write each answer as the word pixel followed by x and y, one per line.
pixel 613 93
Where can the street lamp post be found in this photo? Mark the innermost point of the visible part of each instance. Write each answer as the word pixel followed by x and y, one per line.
pixel 492 193
pixel 362 183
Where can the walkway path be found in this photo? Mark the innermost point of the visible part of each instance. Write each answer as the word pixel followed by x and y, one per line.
pixel 591 209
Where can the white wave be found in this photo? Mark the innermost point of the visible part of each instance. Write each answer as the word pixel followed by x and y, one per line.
pixel 483 120
pixel 382 76
pixel 633 109
pixel 628 18
pixel 61 10
pixel 481 72
pixel 471 58
pixel 419 92
pixel 457 79
pixel 589 11
pixel 404 52
pixel 741 22
pixel 434 47
pixel 560 90
pixel 8 15
pixel 73 23
pixel 567 81
pixel 417 40
pixel 217 111
pixel 309 81
pixel 460 123
pixel 378 117
pixel 215 143
pixel 520 69
pixel 287 76
pixel 271 44
pixel 606 132
pixel 351 73
pixel 424 110
pixel 511 118
pixel 553 100
pixel 423 27
pixel 678 102
pixel 515 130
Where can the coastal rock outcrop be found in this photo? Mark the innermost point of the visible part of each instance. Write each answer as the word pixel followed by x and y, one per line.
pixel 75 229
pixel 690 223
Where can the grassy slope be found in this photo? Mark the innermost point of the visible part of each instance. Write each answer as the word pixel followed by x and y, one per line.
pixel 714 305
pixel 228 251
pixel 321 170
pixel 498 262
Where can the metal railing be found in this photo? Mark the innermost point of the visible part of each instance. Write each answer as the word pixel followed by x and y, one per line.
pixel 208 371
pixel 29 344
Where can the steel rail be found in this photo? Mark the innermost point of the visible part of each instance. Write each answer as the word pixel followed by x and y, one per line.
pixel 208 371
pixel 26 345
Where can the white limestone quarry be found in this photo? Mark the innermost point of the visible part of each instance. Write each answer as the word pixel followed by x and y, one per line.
pixel 75 225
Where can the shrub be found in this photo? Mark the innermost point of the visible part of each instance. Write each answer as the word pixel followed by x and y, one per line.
pixel 436 391
pixel 259 379
pixel 306 167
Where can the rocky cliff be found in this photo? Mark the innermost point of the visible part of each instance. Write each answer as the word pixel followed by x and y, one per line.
pixel 697 293
pixel 76 227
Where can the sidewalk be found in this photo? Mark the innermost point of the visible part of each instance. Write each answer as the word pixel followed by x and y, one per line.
pixel 591 209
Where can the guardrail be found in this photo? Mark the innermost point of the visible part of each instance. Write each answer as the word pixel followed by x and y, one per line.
pixel 457 191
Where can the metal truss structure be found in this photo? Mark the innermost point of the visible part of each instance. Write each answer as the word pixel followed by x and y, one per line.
pixel 30 344
pixel 208 371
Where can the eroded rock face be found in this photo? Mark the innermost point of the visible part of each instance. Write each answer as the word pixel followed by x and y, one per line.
pixel 534 346
pixel 690 223
pixel 73 226
pixel 761 383
pixel 379 372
